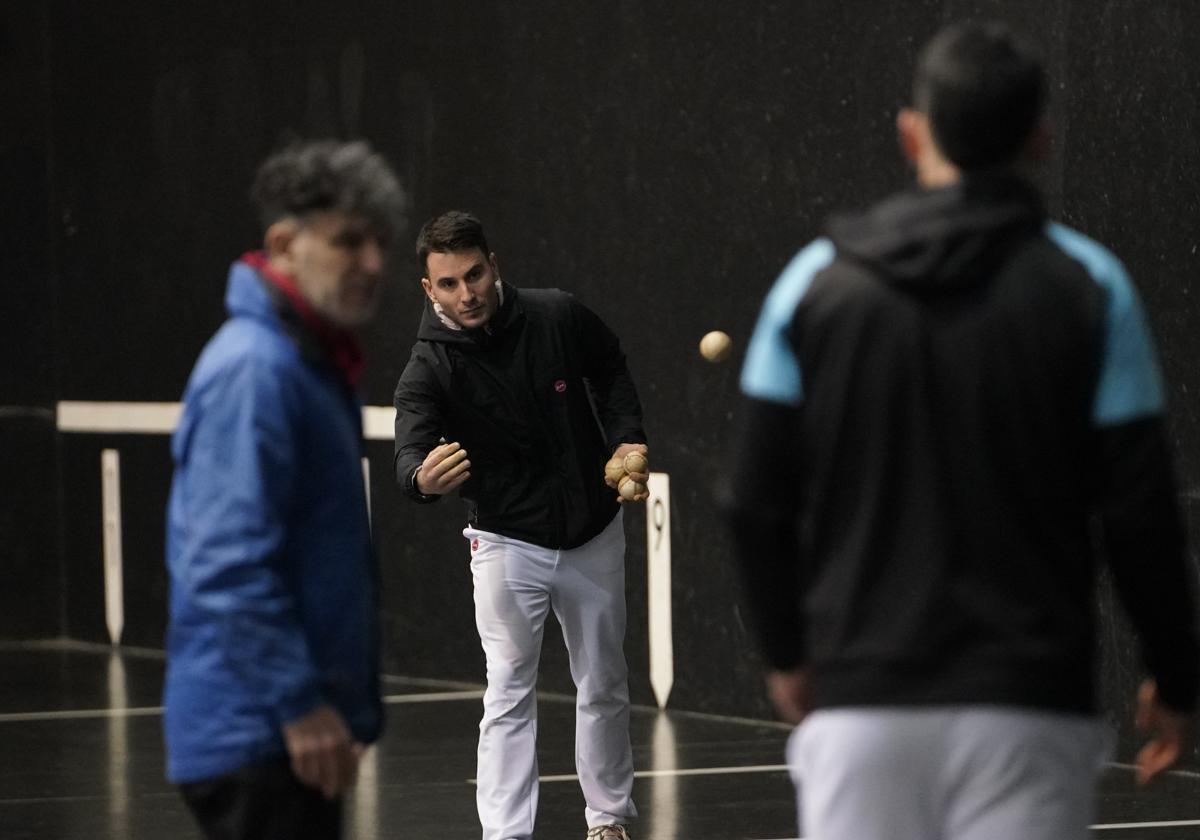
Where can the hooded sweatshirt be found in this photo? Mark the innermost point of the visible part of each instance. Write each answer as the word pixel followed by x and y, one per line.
pixel 939 398
pixel 539 398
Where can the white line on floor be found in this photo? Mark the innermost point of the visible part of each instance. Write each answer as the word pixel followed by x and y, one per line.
pixel 1110 826
pixel 76 646
pixel 694 771
pixel 80 714
pixel 145 711
pixel 1187 774
pixel 102 797
pixel 433 696
pixel 711 771
pixel 1163 824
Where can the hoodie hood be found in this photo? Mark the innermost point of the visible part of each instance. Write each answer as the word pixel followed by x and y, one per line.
pixel 947 237
pixel 510 312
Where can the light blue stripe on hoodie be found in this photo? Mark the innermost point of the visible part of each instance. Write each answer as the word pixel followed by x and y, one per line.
pixel 772 371
pixel 1131 383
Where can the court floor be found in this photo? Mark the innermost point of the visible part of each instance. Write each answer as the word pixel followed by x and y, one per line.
pixel 81 757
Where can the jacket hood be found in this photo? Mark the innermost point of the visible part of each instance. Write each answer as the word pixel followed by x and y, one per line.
pixel 945 237
pixel 246 294
pixel 510 311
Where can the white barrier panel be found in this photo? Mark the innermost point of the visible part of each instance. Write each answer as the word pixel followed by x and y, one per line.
pixel 366 471
pixel 658 570
pixel 151 418
pixel 119 417
pixel 114 587
pixel 379 422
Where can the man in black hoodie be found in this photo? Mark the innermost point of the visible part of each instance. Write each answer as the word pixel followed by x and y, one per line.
pixel 940 399
pixel 535 388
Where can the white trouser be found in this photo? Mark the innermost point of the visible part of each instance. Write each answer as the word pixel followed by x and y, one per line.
pixel 515 584
pixel 946 773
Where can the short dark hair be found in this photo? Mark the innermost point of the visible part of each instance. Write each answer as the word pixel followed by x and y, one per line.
pixel 455 230
pixel 328 175
pixel 982 86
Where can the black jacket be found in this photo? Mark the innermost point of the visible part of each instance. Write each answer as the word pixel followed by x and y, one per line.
pixel 518 395
pixel 927 435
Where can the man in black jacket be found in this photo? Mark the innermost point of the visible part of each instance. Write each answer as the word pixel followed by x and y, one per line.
pixel 939 398
pixel 535 388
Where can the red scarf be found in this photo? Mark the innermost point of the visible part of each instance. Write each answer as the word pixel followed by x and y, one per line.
pixel 343 347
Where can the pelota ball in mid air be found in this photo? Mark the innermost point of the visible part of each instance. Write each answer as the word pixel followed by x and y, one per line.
pixel 716 346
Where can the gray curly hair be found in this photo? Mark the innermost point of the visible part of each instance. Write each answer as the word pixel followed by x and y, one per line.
pixel 320 175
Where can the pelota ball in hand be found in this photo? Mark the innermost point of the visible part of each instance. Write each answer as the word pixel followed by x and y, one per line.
pixel 614 470
pixel 716 346
pixel 628 488
pixel 635 462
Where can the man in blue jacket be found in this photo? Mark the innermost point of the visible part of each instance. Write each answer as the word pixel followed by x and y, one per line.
pixel 941 398
pixel 272 656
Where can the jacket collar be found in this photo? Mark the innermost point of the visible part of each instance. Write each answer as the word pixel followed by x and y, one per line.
pixel 510 313
pixel 276 294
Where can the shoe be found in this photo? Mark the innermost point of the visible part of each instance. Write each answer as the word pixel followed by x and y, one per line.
pixel 608 832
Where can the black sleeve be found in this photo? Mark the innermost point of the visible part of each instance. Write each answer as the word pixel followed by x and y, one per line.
pixel 617 402
pixel 761 503
pixel 419 423
pixel 1145 547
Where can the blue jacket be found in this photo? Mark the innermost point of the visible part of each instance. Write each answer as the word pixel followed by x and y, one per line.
pixel 272 572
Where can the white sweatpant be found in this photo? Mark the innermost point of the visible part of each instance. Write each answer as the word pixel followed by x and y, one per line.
pixel 515 584
pixel 946 773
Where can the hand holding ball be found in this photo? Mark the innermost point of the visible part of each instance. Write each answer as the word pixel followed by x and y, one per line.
pixel 635 462
pixel 716 346
pixel 627 472
pixel 614 471
pixel 630 490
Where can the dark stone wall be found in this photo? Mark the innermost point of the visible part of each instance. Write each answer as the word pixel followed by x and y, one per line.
pixel 31 605
pixel 661 161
